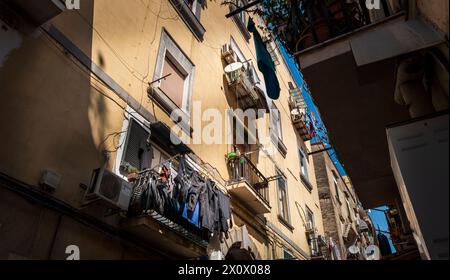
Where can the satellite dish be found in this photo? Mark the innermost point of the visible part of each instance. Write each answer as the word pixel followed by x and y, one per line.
pixel 372 253
pixel 233 67
pixel 354 250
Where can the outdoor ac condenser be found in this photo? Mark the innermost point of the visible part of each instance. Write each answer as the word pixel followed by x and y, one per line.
pixel 110 188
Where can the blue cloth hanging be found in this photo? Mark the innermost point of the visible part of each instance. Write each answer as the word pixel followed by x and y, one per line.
pixel 265 63
pixel 194 217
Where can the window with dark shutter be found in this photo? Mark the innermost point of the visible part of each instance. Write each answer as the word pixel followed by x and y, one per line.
pixel 136 135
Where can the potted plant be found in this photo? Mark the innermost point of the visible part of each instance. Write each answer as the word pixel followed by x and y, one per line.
pixel 132 175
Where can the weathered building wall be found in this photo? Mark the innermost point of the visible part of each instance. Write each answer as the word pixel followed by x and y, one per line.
pixel 57 116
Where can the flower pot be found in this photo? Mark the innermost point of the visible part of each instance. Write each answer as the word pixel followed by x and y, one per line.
pixel 322 30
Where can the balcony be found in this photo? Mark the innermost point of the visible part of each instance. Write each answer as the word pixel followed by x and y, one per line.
pixel 314 22
pixel 242 82
pixel 146 221
pixel 356 68
pixel 36 12
pixel 297 105
pixel 249 185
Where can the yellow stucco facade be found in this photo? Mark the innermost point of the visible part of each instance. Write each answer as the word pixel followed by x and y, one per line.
pixel 56 115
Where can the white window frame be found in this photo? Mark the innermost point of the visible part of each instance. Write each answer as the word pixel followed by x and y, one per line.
pixel 130 115
pixel 304 168
pixel 275 115
pixel 242 16
pixel 288 211
pixel 336 187
pixel 168 47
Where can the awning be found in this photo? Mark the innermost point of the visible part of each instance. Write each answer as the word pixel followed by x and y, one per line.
pixel 162 136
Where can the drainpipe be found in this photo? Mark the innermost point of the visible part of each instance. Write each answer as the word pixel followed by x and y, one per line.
pixel 410 90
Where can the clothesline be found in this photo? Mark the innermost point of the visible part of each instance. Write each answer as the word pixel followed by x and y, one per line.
pixel 171 159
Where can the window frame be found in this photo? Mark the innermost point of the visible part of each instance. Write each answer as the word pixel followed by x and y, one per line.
pixel 170 49
pixel 277 131
pixel 191 16
pixel 242 25
pixel 132 115
pixel 336 187
pixel 310 213
pixel 304 166
pixel 288 252
pixel 286 221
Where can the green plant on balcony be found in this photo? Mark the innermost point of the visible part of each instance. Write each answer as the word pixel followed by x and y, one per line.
pixel 300 24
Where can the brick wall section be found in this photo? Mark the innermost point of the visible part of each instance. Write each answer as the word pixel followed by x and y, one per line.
pixel 330 214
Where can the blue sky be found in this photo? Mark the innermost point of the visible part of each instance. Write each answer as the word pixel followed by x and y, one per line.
pixel 380 222
pixel 311 107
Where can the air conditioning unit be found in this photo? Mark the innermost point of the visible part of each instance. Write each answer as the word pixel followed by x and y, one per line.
pixel 228 54
pixel 309 227
pixel 110 188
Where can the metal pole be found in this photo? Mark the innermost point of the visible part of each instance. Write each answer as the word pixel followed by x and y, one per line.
pixel 243 8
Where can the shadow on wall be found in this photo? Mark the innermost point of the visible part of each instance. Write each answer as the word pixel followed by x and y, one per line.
pixel 51 118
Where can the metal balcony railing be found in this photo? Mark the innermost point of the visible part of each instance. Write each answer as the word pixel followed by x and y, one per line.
pixel 243 169
pixel 171 219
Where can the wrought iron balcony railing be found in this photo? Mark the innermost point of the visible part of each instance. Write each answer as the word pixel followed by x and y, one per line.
pixel 243 169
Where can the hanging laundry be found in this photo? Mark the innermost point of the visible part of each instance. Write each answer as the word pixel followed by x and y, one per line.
pixel 186 197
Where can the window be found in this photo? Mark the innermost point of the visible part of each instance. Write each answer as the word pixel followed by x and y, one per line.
pixel 248 65
pixel 303 164
pixel 176 90
pixel 241 18
pixel 189 11
pixel 271 48
pixel 139 152
pixel 336 186
pixel 173 85
pixel 351 216
pixel 312 238
pixel 282 197
pixel 310 216
pixel 276 122
pixel 304 175
pixel 287 255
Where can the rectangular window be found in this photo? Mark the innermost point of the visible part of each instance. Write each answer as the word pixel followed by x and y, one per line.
pixel 336 186
pixel 242 15
pixel 175 91
pixel 310 216
pixel 349 209
pixel 271 48
pixel 189 11
pixel 282 197
pixel 139 152
pixel 303 164
pixel 312 238
pixel 241 18
pixel 173 85
pixel 276 122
